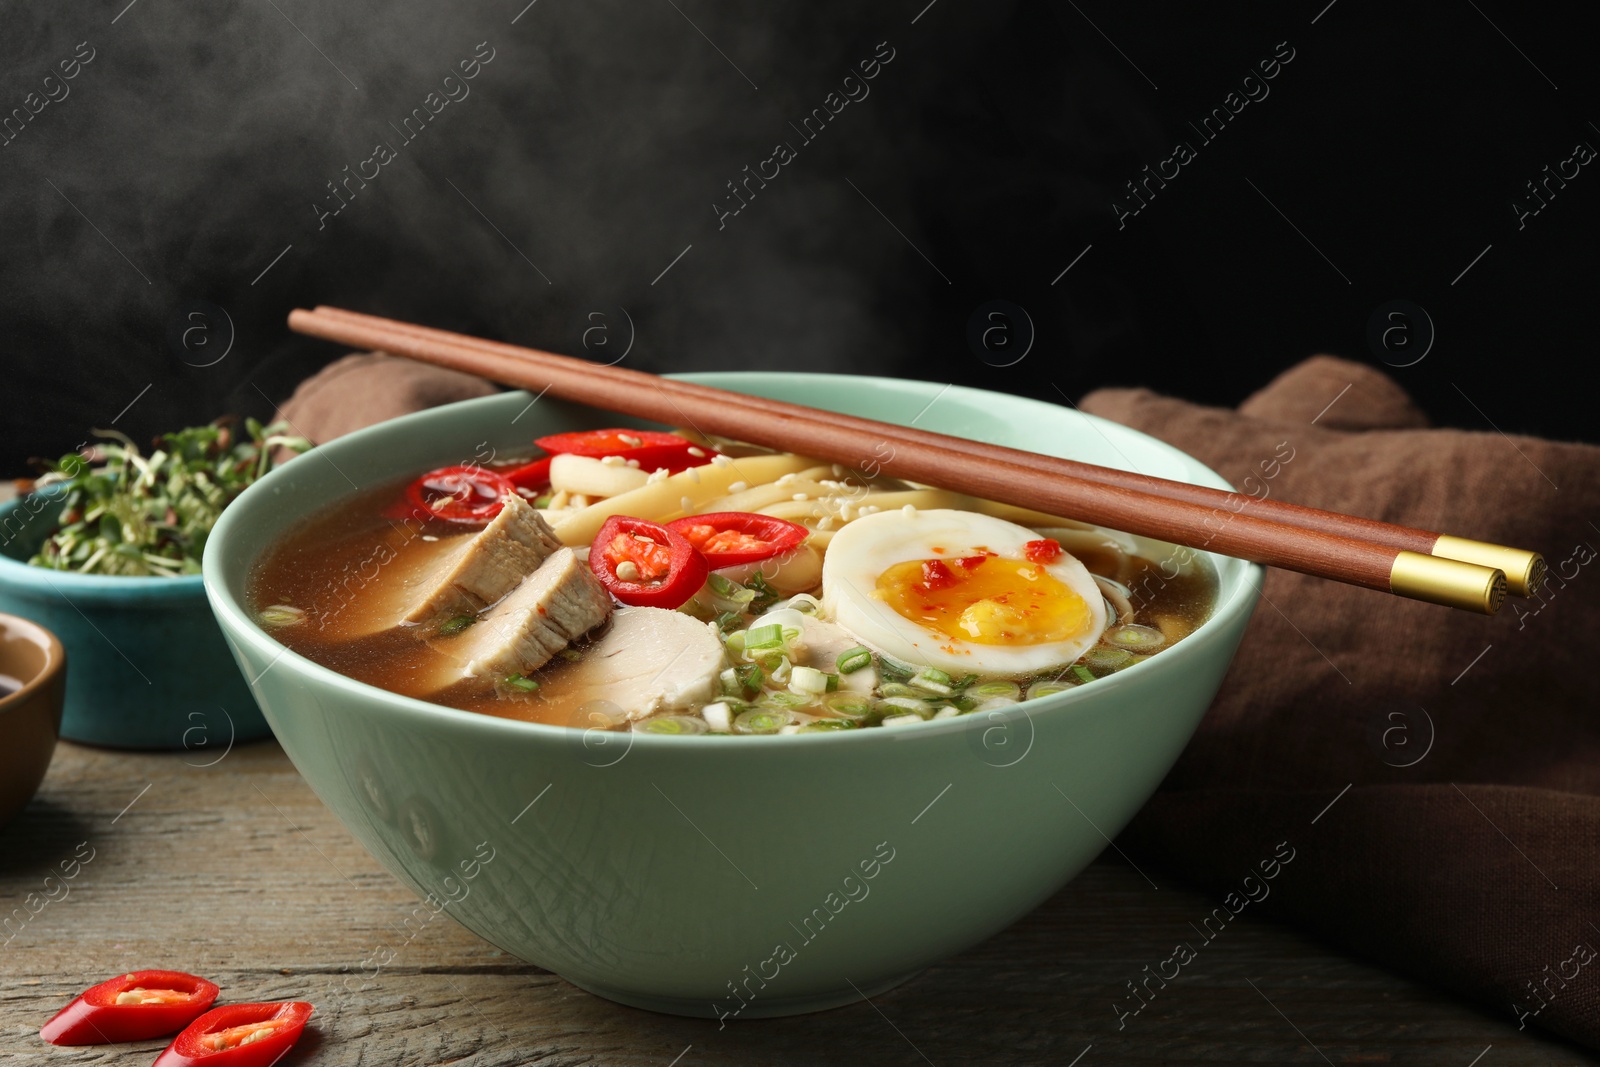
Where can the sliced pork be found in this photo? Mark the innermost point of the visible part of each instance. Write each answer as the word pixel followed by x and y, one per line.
pixel 486 567
pixel 547 611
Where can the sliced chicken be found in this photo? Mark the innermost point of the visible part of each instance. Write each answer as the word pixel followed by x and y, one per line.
pixel 484 568
pixel 649 660
pixel 548 610
pixel 820 644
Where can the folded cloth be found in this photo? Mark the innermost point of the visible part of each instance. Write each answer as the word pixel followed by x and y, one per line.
pixel 365 388
pixel 1436 773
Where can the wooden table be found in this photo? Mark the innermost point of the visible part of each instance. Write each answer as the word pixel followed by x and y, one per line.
pixel 236 871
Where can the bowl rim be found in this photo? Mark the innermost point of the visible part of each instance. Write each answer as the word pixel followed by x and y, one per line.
pixel 20 573
pixel 55 660
pixel 238 624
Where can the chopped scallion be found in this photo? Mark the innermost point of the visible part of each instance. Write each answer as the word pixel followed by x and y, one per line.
pixel 854 659
pixel 763 720
pixel 672 724
pixel 280 615
pixel 451 627
pixel 808 680
pixel 729 590
pixel 750 677
pixel 522 682
pixel 769 636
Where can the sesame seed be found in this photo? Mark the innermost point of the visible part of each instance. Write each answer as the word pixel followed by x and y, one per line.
pixel 800 496
pixel 613 461
pixel 696 452
pixel 738 487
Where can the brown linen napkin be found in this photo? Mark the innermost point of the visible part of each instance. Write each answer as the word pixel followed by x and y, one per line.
pixel 366 388
pixel 1436 773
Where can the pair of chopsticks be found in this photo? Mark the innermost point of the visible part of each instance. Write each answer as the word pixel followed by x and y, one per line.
pixel 1420 564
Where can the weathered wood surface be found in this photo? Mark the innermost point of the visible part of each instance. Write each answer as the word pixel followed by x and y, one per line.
pixel 236 871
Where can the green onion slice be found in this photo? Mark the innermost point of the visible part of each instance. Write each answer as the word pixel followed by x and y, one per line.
pixel 763 721
pixel 280 615
pixel 823 726
pixel 768 636
pixel 1136 638
pixel 453 626
pixel 749 677
pixel 1106 660
pixel 729 590
pixel 522 682
pixel 672 724
pixel 854 659
pixel 848 705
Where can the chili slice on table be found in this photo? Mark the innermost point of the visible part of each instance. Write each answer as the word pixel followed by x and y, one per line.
pixel 238 1035
pixel 652 449
pixel 732 538
pixel 464 494
pixel 646 564
pixel 131 1007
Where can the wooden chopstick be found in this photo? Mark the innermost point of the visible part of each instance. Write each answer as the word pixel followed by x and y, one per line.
pixel 1524 569
pixel 934 459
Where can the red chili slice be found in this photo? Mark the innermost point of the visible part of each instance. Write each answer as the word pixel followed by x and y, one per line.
pixel 1042 551
pixel 534 477
pixel 659 567
pixel 653 450
pixel 131 1007
pixel 238 1035
pixel 731 538
pixel 466 494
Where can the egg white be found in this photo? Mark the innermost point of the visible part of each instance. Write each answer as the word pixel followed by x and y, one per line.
pixel 861 551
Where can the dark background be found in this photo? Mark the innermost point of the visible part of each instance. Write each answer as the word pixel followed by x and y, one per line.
pixel 592 147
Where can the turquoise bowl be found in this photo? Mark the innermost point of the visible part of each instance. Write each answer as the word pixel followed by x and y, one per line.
pixel 709 876
pixel 146 663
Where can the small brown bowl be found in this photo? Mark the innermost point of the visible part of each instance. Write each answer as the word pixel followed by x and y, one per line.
pixel 32 683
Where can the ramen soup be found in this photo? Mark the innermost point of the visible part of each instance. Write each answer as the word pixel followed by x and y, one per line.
pixel 635 580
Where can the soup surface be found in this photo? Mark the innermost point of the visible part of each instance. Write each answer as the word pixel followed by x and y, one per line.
pixel 882 615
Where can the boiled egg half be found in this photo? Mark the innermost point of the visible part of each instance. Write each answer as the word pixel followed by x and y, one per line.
pixel 960 591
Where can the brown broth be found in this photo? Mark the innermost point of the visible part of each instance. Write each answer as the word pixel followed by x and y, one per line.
pixel 343 568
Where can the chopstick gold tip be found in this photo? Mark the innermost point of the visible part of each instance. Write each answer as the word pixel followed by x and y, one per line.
pixel 1452 582
pixel 1524 569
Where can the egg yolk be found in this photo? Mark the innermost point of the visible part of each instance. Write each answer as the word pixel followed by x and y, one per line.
pixel 988 600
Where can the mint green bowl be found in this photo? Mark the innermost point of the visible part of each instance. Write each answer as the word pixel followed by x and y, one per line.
pixel 146 664
pixel 725 877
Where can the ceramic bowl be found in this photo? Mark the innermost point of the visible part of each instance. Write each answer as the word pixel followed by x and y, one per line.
pixel 147 666
pixel 706 875
pixel 32 679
